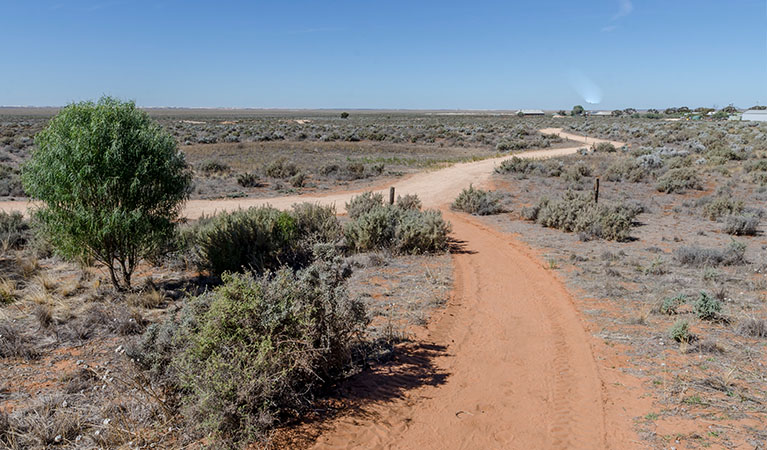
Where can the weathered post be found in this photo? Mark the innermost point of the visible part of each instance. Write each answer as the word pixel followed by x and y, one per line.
pixel 391 195
pixel 596 190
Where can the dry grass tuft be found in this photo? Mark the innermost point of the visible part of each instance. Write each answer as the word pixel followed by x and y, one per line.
pixel 7 291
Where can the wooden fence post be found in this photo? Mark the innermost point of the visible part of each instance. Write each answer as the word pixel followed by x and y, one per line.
pixel 391 195
pixel 596 190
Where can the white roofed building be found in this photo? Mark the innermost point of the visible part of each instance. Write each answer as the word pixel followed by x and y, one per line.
pixel 759 115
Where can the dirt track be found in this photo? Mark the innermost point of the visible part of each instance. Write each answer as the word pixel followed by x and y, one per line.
pixel 507 365
pixel 435 188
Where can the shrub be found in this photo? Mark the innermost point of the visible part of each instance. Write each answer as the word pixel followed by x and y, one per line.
pixel 212 166
pixel 363 203
pixel 576 172
pixel 111 181
pixel 316 223
pixel 281 168
pixel 578 213
pixel 680 331
pixel 10 182
pixel 605 147
pixel 722 206
pixel 398 229
pixel 410 201
pixel 256 238
pixel 753 327
pixel 478 202
pixel 670 305
pixel 261 347
pixel 421 232
pixel 679 180
pixel 741 225
pixel 515 165
pixel 373 229
pixel 14 229
pixel 298 180
pixel 626 169
pixel 250 179
pixel 693 256
pixel 707 307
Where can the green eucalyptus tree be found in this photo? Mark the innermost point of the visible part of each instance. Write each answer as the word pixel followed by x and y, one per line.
pixel 111 183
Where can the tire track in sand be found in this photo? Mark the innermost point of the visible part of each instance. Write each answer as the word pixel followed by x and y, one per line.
pixel 518 364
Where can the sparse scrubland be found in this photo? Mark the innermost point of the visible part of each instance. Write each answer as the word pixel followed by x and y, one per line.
pixel 240 323
pixel 670 262
pixel 233 323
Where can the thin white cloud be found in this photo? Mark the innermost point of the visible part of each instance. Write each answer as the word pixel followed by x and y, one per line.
pixel 625 8
pixel 609 28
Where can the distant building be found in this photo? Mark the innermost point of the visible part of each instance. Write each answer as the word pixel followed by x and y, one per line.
pixel 531 112
pixel 602 113
pixel 758 115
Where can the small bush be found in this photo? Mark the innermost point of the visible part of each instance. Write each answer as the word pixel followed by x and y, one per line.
pixel 257 238
pixel 576 172
pixel 258 348
pixel 753 327
pixel 578 213
pixel 298 180
pixel 478 202
pixel 410 201
pixel 10 182
pixel 722 206
pixel 734 254
pixel 546 168
pixel 421 232
pixel 281 168
pixel 363 203
pixel 398 229
pixel 670 305
pixel 14 229
pixel 212 166
pixel 707 307
pixel 605 147
pixel 626 169
pixel 741 225
pixel 316 223
pixel 680 331
pixel 678 180
pixel 250 179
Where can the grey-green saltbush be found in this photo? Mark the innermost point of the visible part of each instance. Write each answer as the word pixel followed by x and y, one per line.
pixel 579 213
pixel 478 202
pixel 734 254
pixel 255 348
pixel 679 180
pixel 400 228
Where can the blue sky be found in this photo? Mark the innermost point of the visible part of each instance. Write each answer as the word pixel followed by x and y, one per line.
pixel 386 54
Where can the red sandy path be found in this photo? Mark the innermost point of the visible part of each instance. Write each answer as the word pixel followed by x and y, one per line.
pixel 519 368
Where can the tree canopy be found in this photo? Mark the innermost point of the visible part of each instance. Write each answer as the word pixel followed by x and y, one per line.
pixel 111 181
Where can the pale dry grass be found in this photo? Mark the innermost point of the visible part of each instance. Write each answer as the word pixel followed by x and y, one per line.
pixel 8 292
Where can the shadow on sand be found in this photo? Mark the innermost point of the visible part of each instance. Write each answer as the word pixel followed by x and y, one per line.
pixel 410 367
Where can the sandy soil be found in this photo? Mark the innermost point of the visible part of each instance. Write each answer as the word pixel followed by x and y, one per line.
pixel 511 362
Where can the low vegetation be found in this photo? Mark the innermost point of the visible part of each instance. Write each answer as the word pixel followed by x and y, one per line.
pixel 401 228
pixel 256 348
pixel 575 212
pixel 478 202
